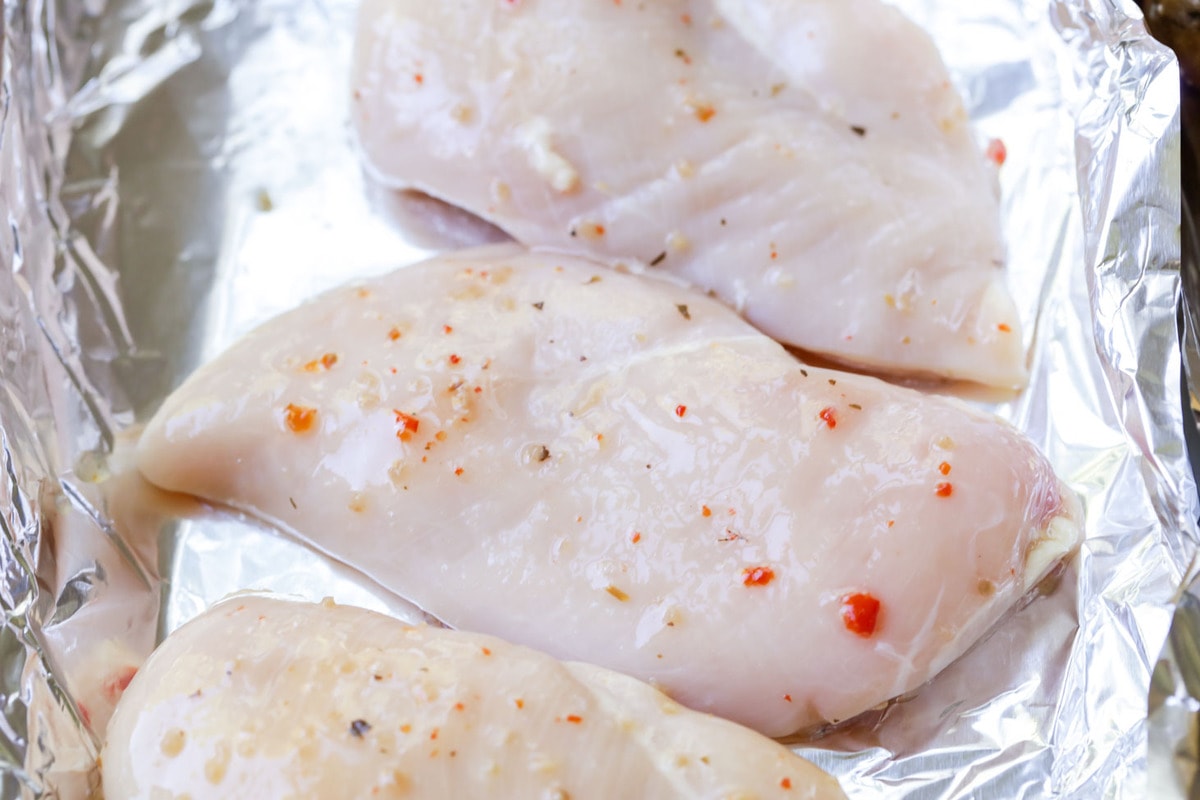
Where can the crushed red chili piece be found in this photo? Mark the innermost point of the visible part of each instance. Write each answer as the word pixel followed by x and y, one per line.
pixel 454 359
pixel 574 718
pixel 394 334
pixel 757 576
pixel 409 426
pixel 1003 327
pixel 945 490
pixel 997 153
pixel 944 468
pixel 829 416
pixel 447 329
pixel 706 511
pixel 786 783
pixel 299 418
pixel 519 702
pixel 705 112
pixel 637 537
pixel 459 706
pixel 860 613
pixel 487 652
pixel 680 410
pixel 433 735
pixel 458 470
pixel 419 78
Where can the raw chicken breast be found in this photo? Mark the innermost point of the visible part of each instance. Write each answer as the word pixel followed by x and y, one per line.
pixel 807 160
pixel 614 469
pixel 266 699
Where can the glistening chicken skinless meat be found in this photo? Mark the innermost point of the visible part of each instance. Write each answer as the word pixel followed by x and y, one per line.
pixel 614 469
pixel 807 160
pixel 261 698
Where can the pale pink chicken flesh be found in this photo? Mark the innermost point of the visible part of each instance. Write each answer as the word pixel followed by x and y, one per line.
pixel 618 470
pixel 266 699
pixel 807 160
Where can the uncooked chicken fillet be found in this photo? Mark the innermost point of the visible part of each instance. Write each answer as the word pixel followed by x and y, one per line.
pixel 266 699
pixel 809 161
pixel 618 470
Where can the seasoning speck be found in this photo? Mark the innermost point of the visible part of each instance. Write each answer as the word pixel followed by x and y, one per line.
pixel 683 311
pixel 859 130
pixel 860 613
pixel 617 593
pixel 299 419
pixel 539 305
pixel 658 259
pixel 359 727
pixel 757 576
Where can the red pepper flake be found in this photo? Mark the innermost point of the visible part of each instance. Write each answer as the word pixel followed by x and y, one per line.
pixel 440 436
pixel 786 783
pixel 299 418
pixel 860 613
pixel 458 470
pixel 997 153
pixel 118 682
pixel 574 718
pixel 680 410
pixel 409 425
pixel 891 522
pixel 419 78
pixel 405 728
pixel 433 736
pixel 944 490
pixel 478 390
pixel 686 19
pixel 447 329
pixel 324 362
pixel 459 706
pixel 705 112
pixel 706 511
pixel 454 359
pixel 519 703
pixel 1003 327
pixel 944 468
pixel 637 537
pixel 757 576
pixel 787 697
pixel 394 334
pixel 828 416
pixel 486 651
pixel 774 255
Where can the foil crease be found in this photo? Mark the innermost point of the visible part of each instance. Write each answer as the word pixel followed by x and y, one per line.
pixel 174 171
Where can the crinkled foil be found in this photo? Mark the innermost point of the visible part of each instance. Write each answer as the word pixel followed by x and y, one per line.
pixel 174 171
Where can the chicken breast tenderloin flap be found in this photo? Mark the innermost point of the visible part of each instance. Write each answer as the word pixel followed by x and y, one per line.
pixel 807 160
pixel 262 698
pixel 617 470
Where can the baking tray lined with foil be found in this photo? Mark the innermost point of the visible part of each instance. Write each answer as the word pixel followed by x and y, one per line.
pixel 175 173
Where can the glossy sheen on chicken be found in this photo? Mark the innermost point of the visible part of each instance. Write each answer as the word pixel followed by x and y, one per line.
pixel 807 160
pixel 268 699
pixel 617 470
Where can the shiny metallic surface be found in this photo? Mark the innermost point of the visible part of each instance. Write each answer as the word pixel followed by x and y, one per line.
pixel 173 172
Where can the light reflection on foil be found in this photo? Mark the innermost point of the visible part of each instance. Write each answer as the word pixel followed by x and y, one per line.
pixel 173 172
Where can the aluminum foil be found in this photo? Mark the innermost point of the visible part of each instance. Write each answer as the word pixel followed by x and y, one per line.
pixel 174 171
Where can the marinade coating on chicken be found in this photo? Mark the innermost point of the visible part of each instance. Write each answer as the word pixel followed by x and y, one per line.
pixel 266 699
pixel 807 160
pixel 618 470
